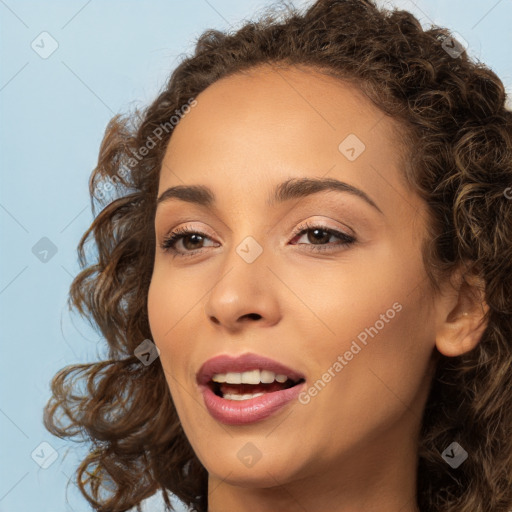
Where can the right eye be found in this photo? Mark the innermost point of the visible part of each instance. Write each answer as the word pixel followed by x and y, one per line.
pixel 183 235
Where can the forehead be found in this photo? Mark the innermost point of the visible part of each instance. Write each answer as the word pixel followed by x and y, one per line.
pixel 254 129
pixel 254 105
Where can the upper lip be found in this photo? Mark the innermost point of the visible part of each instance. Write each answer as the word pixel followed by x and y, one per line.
pixel 240 363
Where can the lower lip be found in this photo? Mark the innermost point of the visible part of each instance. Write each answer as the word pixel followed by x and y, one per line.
pixel 243 412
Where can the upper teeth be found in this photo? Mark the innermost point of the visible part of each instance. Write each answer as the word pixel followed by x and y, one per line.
pixel 250 377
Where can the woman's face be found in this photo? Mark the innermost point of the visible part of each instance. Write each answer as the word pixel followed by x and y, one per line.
pixel 348 312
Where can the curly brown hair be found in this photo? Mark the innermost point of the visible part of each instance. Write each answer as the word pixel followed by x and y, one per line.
pixel 459 136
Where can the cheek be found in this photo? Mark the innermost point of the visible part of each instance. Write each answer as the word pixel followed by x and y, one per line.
pixel 166 314
pixel 170 304
pixel 357 303
pixel 158 303
pixel 172 313
pixel 382 372
pixel 374 362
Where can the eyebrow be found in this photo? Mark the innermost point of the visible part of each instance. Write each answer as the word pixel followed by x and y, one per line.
pixel 292 188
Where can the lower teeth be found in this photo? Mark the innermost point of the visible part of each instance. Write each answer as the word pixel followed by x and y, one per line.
pixel 234 396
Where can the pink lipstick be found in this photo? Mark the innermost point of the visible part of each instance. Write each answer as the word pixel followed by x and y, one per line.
pixel 239 390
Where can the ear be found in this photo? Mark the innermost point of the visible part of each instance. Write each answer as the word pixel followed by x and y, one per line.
pixel 462 315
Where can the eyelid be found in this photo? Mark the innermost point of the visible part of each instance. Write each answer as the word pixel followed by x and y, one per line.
pixel 191 227
pixel 325 221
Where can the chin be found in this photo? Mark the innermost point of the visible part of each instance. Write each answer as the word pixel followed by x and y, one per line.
pixel 262 475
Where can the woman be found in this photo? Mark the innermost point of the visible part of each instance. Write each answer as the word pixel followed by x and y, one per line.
pixel 305 279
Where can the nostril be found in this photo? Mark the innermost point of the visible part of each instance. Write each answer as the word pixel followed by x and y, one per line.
pixel 252 316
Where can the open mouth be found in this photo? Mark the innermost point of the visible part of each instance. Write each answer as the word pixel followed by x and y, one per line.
pixel 244 391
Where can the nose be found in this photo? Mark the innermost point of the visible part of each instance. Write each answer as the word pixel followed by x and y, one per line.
pixel 245 293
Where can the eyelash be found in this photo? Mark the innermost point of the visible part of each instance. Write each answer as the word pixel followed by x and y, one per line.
pixel 169 242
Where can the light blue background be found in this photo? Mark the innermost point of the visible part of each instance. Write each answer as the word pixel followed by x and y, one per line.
pixel 112 56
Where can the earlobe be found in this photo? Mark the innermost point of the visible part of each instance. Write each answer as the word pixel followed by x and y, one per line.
pixel 464 319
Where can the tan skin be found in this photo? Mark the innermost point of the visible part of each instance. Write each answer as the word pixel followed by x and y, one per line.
pixel 353 446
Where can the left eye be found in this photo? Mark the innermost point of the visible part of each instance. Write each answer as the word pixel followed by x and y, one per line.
pixel 190 238
pixel 323 233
